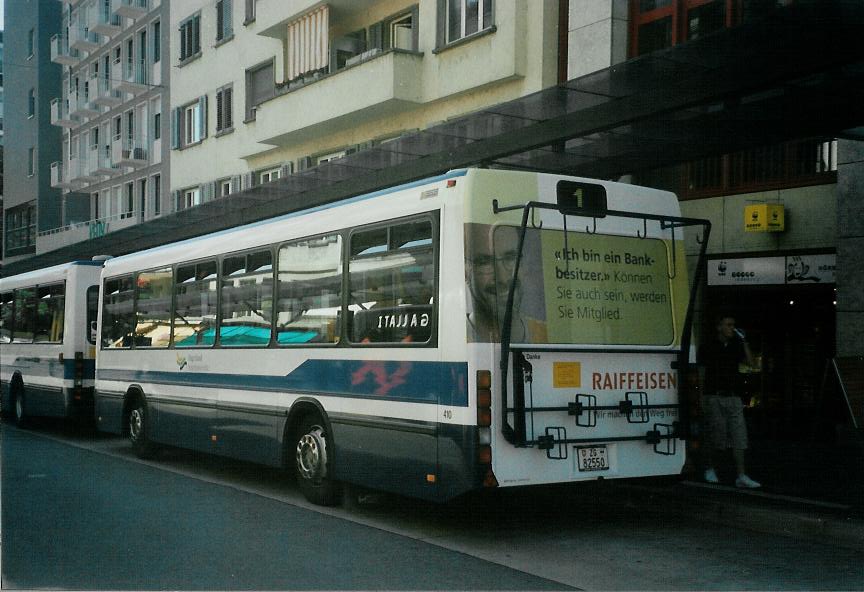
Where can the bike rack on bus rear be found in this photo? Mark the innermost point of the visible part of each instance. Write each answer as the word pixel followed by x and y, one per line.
pixel 635 406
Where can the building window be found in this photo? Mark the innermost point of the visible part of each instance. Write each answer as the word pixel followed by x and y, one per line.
pixel 157 126
pixel 130 201
pixel 190 38
pixel 463 18
pixel 777 166
pixel 157 42
pixel 31 43
pixel 250 12
pixel 31 103
pixel 188 198
pixel 268 175
pixel 189 124
pixel 260 86
pixel 402 32
pixel 224 22
pixel 224 105
pixel 658 24
pixel 31 162
pixel 225 187
pixel 20 228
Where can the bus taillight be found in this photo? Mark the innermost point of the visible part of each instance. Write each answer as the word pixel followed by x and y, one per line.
pixel 484 431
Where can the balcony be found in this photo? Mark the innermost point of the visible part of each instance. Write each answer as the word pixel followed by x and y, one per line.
pixel 60 52
pixel 107 96
pixel 134 77
pixel 83 39
pixel 74 172
pixel 387 84
pixel 133 9
pixel 107 23
pixel 87 105
pixel 88 166
pixel 60 114
pixel 80 106
pixel 58 180
pixel 130 152
pixel 104 162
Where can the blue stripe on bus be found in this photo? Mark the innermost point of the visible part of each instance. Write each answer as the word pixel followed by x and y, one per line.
pixel 411 381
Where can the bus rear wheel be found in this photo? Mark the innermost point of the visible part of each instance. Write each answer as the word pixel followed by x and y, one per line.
pixel 19 414
pixel 137 423
pixel 312 461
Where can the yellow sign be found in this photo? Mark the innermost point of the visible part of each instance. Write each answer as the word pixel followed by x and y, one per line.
pixel 566 374
pixel 764 218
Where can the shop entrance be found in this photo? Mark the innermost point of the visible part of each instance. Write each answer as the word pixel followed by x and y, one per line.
pixel 799 430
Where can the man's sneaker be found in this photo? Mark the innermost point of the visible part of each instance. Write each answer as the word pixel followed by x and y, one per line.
pixel 711 476
pixel 746 482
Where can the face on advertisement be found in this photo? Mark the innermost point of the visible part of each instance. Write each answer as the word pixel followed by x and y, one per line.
pixel 491 254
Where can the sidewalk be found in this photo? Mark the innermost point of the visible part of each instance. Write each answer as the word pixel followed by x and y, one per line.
pixel 810 491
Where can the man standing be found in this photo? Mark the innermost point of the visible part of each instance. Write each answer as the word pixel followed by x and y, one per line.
pixel 722 405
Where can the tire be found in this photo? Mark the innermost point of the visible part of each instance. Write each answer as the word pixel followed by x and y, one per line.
pixel 18 411
pixel 313 452
pixel 136 423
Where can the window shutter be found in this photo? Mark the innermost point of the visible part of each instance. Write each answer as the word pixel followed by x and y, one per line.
pixel 249 180
pixel 227 19
pixel 202 116
pixel 376 36
pixel 175 197
pixel 304 163
pixel 175 128
pixel 415 31
pixel 227 105
pixel 286 169
pixel 220 122
pixel 220 19
pixel 196 34
pixel 183 45
pixel 236 183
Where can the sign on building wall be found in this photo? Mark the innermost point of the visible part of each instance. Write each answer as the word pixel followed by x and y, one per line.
pixel 764 218
pixel 791 269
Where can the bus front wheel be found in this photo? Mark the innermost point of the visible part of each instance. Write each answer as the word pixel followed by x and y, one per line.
pixel 312 455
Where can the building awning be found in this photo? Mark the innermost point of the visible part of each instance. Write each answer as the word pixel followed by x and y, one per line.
pixel 797 73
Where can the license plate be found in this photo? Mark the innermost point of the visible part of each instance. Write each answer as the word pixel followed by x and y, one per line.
pixel 592 458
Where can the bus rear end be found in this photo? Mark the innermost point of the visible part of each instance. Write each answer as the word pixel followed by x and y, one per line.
pixel 579 323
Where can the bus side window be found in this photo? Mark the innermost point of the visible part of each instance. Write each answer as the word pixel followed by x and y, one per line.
pixel 7 315
pixel 118 313
pixel 391 285
pixel 92 312
pixel 25 315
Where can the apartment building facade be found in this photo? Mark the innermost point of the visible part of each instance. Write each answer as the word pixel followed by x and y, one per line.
pixel 30 203
pixel 113 93
pixel 264 88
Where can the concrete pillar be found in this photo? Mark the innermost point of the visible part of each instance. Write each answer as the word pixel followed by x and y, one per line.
pixel 850 246
pixel 597 35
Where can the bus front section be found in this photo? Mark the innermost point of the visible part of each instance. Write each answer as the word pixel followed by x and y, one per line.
pixel 580 289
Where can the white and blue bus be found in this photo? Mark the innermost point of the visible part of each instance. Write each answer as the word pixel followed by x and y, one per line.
pixel 47 341
pixel 478 329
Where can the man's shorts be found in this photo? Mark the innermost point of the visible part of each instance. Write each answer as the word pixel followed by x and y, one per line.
pixel 724 418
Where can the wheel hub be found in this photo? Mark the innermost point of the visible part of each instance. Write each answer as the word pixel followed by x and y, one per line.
pixel 19 408
pixel 312 455
pixel 136 424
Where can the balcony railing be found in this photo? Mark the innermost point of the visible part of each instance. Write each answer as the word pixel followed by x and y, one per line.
pixel 58 180
pixel 133 9
pixel 83 39
pixel 135 79
pixel 61 53
pixel 60 114
pixel 130 152
pixel 107 95
pixel 105 161
pixel 107 22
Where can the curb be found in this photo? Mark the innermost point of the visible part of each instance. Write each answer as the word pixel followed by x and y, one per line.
pixel 797 518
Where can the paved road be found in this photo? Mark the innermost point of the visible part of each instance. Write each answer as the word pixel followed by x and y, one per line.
pixel 192 521
pixel 76 519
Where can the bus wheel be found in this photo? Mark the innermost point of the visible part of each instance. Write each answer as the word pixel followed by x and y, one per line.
pixel 313 463
pixel 19 415
pixel 142 447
